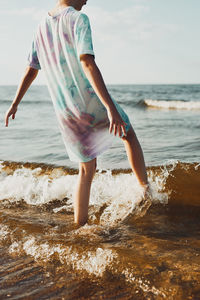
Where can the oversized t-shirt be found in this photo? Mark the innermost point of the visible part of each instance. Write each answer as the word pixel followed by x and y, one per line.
pixel 58 43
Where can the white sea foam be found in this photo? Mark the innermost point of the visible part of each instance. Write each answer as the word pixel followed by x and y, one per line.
pixel 144 285
pixel 15 248
pixel 115 196
pixel 119 193
pixel 34 189
pixel 93 262
pixel 173 104
pixel 4 232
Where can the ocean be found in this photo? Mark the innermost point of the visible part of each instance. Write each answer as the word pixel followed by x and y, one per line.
pixel 122 253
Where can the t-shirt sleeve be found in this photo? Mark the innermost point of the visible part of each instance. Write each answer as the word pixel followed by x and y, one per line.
pixel 33 60
pixel 83 36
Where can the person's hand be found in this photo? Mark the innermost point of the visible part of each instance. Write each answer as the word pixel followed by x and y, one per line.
pixel 117 125
pixel 11 112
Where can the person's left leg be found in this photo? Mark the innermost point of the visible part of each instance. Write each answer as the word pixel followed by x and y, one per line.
pixel 81 201
pixel 135 157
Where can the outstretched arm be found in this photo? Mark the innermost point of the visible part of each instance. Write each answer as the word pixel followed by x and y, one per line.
pixel 27 79
pixel 94 76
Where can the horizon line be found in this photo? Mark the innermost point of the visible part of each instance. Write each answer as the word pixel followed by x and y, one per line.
pixel 178 83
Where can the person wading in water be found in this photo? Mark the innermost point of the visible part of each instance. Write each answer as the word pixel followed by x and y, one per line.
pixel 87 115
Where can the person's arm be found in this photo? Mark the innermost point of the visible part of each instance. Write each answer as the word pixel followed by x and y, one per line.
pixel 28 78
pixel 94 76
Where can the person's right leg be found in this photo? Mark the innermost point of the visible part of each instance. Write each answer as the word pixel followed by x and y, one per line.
pixel 81 200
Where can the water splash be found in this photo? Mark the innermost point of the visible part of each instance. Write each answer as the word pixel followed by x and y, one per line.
pixel 142 284
pixel 114 195
pixel 93 262
pixel 4 232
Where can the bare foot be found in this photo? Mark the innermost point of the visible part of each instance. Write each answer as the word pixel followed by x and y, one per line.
pixel 142 205
pixel 145 201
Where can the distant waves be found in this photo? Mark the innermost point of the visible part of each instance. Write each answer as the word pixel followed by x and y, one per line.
pixel 170 104
pixel 162 104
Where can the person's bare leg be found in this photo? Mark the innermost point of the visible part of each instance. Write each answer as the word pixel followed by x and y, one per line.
pixel 135 157
pixel 82 195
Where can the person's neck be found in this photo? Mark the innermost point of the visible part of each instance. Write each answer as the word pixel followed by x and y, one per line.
pixel 61 5
pixel 65 3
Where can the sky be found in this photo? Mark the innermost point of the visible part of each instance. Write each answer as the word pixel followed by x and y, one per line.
pixel 135 41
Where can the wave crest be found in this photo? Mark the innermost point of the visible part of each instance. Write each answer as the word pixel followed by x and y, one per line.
pixel 115 194
pixel 172 104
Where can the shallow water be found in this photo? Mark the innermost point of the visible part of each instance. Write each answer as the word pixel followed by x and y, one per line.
pixel 118 254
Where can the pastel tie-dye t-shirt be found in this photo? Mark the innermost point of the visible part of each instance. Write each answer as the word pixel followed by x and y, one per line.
pixel 58 43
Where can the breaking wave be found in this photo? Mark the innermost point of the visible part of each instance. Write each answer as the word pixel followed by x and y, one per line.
pixel 172 104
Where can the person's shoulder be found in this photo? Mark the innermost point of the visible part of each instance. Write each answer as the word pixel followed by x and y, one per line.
pixel 82 18
pixel 75 15
pixel 41 24
pixel 73 12
pixel 43 21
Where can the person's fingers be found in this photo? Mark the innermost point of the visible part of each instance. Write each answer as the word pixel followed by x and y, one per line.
pixel 111 127
pixel 6 120
pixel 120 130
pixel 115 129
pixel 13 116
pixel 123 130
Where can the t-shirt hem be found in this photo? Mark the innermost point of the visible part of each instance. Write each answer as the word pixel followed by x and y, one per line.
pixel 34 66
pixel 92 156
pixel 87 52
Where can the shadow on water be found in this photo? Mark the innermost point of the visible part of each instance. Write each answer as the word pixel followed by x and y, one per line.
pixel 170 222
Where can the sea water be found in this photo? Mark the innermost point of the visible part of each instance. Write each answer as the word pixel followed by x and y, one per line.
pixel 121 253
pixel 164 117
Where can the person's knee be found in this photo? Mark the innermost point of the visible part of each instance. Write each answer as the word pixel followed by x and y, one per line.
pixel 88 169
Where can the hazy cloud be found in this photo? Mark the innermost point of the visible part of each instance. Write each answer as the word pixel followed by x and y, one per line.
pixel 130 23
pixel 33 12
